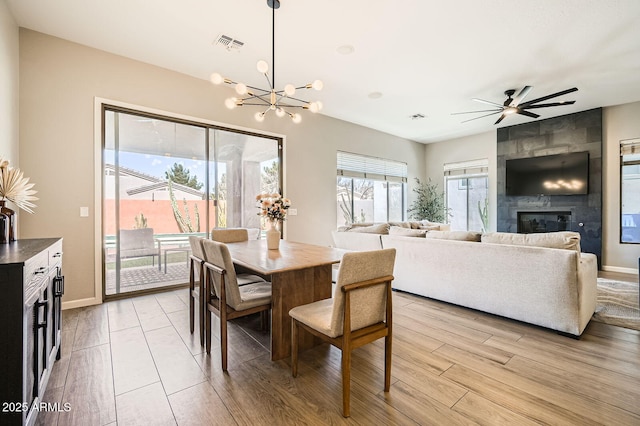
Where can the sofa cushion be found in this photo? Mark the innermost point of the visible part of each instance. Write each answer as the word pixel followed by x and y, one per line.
pixel 558 240
pixel 454 235
pixel 406 232
pixel 382 228
pixel 434 226
pixel 401 224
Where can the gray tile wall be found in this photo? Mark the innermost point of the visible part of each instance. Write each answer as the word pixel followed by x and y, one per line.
pixel 569 133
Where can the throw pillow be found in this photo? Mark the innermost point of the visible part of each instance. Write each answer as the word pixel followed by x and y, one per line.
pixel 400 224
pixel 454 235
pixel 382 228
pixel 405 232
pixel 558 240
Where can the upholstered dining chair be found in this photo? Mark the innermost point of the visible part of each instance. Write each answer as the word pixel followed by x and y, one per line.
pixel 225 298
pixel 196 294
pixel 360 312
pixel 230 235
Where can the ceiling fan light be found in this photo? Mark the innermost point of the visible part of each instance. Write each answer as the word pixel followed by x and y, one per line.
pixel 289 90
pixel 262 67
pixel 216 78
pixel 510 110
pixel 230 103
pixel 241 89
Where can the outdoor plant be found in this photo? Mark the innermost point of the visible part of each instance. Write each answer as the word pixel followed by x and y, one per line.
pixel 484 214
pixel 141 221
pixel 429 204
pixel 184 219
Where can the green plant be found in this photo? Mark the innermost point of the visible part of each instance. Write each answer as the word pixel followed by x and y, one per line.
pixel 429 204
pixel 184 220
pixel 484 214
pixel 141 221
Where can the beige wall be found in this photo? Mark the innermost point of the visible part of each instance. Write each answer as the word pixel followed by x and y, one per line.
pixel 467 148
pixel 618 123
pixel 9 84
pixel 58 83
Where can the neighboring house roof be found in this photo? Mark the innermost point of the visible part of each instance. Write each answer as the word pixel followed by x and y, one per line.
pixel 155 183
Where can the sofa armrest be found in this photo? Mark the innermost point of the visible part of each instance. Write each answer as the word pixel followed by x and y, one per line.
pixel 587 287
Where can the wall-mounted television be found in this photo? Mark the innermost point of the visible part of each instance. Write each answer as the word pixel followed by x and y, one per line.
pixel 561 174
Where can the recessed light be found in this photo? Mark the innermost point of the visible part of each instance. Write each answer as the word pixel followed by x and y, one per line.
pixel 375 95
pixel 346 49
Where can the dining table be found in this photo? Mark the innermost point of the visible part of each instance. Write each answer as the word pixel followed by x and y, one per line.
pixel 300 273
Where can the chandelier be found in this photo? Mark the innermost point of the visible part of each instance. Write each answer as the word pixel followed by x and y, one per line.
pixel 282 102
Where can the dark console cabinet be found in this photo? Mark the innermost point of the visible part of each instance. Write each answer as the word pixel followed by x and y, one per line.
pixel 31 288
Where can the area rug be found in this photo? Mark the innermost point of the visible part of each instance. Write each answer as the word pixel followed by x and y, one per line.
pixel 617 304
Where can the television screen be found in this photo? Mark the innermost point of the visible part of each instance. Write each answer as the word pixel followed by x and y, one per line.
pixel 562 174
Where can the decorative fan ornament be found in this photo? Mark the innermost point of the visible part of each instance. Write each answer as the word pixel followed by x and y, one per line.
pixel 517 106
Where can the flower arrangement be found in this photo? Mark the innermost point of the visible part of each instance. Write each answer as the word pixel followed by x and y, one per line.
pixel 15 187
pixel 272 206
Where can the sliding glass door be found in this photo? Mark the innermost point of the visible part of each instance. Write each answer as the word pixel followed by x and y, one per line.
pixel 166 179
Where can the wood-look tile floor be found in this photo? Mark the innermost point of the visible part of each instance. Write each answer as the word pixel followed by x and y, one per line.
pixel 134 362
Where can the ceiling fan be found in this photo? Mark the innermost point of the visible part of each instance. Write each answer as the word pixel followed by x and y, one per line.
pixel 516 106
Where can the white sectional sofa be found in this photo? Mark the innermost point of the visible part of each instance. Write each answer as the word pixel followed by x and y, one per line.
pixel 541 279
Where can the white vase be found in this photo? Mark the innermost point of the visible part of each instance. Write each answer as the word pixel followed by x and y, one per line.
pixel 273 236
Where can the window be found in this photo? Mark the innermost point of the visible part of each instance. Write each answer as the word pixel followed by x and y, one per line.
pixel 630 191
pixel 467 195
pixel 165 179
pixel 370 189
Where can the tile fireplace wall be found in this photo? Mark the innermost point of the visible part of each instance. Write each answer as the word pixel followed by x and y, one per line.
pixel 569 133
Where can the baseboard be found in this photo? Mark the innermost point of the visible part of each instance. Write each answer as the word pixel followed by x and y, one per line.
pixel 80 303
pixel 619 269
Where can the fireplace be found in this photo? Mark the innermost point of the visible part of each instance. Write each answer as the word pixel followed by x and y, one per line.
pixel 546 221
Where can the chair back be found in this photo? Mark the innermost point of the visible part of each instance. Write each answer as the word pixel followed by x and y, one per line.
pixel 230 235
pixel 368 305
pixel 218 254
pixel 196 246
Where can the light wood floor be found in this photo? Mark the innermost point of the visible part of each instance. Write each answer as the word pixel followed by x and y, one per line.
pixel 134 362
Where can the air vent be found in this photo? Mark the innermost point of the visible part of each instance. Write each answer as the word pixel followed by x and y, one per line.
pixel 228 43
pixel 417 116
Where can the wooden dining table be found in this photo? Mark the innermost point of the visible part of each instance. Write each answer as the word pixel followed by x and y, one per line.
pixel 299 273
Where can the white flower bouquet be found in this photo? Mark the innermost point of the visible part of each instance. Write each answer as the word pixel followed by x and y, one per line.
pixel 273 206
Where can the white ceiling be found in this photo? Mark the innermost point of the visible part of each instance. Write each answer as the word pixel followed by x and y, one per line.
pixel 425 56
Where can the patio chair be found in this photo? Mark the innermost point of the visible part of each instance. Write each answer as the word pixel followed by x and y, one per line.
pixel 359 313
pixel 139 243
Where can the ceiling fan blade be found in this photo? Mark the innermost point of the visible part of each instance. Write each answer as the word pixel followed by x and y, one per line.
pixel 553 95
pixel 548 105
pixel 527 113
pixel 488 102
pixel 471 112
pixel 500 119
pixel 482 116
pixel 524 92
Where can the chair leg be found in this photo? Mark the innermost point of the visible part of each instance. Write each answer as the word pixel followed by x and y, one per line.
pixel 223 341
pixel 294 347
pixel 346 381
pixel 202 305
pixel 207 331
pixel 387 363
pixel 191 312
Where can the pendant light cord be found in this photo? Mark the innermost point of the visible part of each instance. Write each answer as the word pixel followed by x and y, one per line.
pixel 273 47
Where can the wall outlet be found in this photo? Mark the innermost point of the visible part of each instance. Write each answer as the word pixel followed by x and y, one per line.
pixel 84 211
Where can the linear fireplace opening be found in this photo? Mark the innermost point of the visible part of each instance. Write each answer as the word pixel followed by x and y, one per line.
pixel 534 222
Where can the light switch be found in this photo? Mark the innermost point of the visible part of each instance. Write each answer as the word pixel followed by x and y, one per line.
pixel 84 211
pixel 293 212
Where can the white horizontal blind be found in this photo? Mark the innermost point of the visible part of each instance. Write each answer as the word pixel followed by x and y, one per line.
pixel 467 168
pixel 363 166
pixel 630 147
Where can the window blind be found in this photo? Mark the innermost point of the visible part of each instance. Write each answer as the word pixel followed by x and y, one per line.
pixel 363 166
pixel 630 147
pixel 467 168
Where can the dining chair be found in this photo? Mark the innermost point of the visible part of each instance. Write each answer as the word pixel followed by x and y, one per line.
pixel 225 298
pixel 360 312
pixel 230 235
pixel 196 294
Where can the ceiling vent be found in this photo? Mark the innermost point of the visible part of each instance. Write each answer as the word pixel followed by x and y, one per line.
pixel 417 116
pixel 228 43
